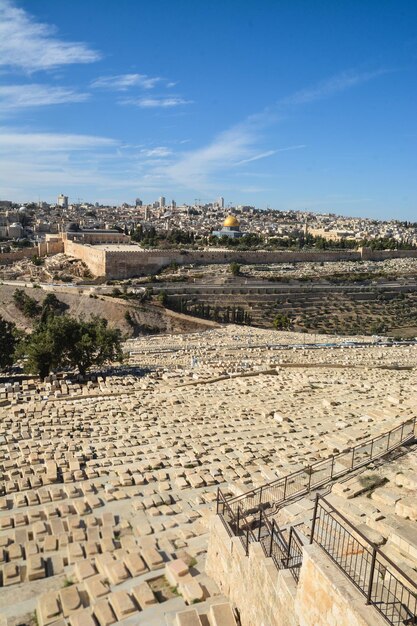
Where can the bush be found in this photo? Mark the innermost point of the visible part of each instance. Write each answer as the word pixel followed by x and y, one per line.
pixel 234 269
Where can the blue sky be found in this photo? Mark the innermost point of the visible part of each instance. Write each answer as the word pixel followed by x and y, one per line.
pixel 289 104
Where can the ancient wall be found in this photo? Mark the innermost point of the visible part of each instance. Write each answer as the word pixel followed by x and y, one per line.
pixel 381 255
pixel 10 257
pixel 49 248
pixel 265 596
pixel 126 263
pixel 135 262
pixel 93 257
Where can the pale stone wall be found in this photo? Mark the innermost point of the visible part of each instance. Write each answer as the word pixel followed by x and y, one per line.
pixel 11 257
pixel 326 596
pixel 126 263
pixel 94 258
pixel 130 263
pixel 380 255
pixel 265 596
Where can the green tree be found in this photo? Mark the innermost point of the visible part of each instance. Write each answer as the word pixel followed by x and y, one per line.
pixel 163 298
pixel 27 305
pixel 63 341
pixel 281 322
pixel 235 269
pixel 8 343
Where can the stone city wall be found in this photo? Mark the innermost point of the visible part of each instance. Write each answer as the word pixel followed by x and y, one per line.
pixel 10 257
pixel 381 255
pixel 94 258
pixel 265 596
pixel 126 263
pixel 42 249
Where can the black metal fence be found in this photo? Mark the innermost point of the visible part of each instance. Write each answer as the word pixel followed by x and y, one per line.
pixel 248 517
pixel 272 494
pixel 384 585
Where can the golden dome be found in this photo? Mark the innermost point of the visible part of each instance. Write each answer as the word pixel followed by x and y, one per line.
pixel 231 221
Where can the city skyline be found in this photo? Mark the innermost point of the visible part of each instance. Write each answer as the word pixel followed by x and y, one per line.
pixel 287 105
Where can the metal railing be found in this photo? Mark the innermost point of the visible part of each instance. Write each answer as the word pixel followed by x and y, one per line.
pixel 385 586
pixel 286 554
pixel 248 517
pixel 301 482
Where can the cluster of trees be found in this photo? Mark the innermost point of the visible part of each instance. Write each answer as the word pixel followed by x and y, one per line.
pixel 150 237
pixel 58 341
pixel 31 308
pixel 229 314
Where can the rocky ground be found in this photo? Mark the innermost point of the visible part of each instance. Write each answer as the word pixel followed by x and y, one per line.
pixel 58 268
pixel 299 271
pixel 109 486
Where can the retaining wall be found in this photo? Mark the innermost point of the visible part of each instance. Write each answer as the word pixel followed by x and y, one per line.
pixel 93 257
pixel 265 596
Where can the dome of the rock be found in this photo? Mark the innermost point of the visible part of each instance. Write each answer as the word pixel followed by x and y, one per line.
pixel 231 221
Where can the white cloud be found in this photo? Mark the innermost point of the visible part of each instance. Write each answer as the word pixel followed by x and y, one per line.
pixel 152 103
pixel 21 96
pixel 331 86
pixel 268 153
pixel 31 45
pixel 56 142
pixel 262 155
pixel 194 167
pixel 157 153
pixel 122 82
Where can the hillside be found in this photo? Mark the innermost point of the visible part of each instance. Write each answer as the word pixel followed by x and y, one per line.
pixel 146 318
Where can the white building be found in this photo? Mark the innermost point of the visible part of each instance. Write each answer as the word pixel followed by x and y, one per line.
pixel 62 201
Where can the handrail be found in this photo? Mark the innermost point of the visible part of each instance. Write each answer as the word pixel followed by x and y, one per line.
pixel 279 490
pixel 386 586
pixel 257 527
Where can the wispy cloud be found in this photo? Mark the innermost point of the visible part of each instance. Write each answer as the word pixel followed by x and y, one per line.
pixel 157 103
pixel 156 153
pixel 268 153
pixel 31 45
pixel 22 96
pixel 262 155
pixel 123 82
pixel 56 142
pixel 331 86
pixel 194 167
pixel 239 145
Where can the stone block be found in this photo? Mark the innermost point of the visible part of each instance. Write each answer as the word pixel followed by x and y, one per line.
pixel 222 615
pixel 116 572
pixel 188 618
pixel 134 564
pixel 104 613
pixel 96 587
pixel 11 574
pixel 122 604
pixel 191 591
pixel 175 570
pixel 84 569
pixel 35 567
pixel 70 600
pixel 152 558
pixel 144 595
pixel 82 618
pixel 48 609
